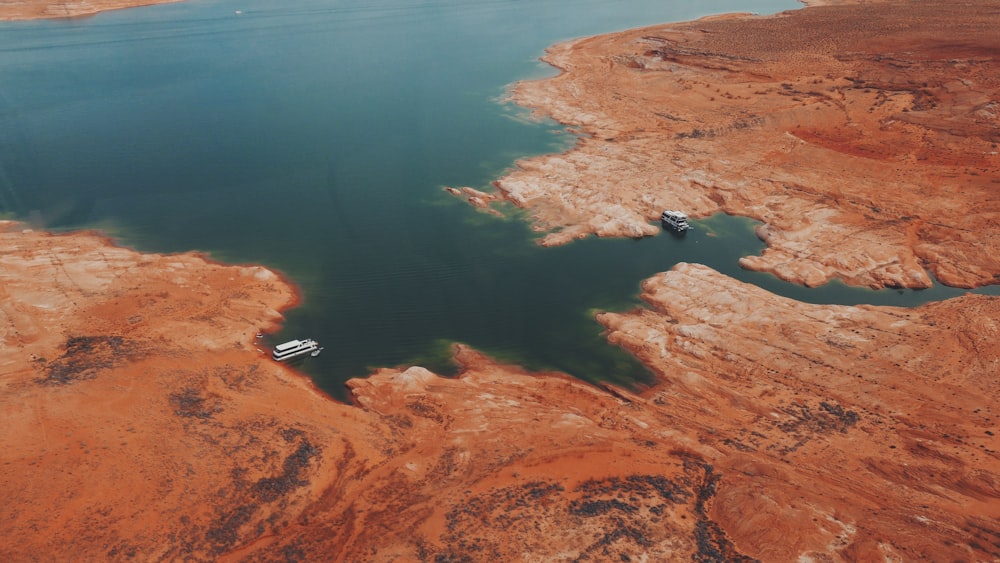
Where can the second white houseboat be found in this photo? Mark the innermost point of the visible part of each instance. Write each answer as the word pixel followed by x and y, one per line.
pixel 296 348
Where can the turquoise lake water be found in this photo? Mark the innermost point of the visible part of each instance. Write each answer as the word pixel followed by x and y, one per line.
pixel 315 138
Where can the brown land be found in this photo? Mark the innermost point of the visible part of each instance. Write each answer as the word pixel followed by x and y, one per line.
pixel 140 421
pixel 41 9
pixel 863 137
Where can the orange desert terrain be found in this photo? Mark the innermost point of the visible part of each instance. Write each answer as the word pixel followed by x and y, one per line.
pixel 141 421
pixel 864 137
pixel 36 9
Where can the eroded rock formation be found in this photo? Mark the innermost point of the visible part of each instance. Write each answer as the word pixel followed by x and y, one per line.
pixel 140 421
pixel 42 9
pixel 863 431
pixel 864 137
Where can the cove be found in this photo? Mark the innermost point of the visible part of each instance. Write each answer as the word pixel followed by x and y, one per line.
pixel 315 139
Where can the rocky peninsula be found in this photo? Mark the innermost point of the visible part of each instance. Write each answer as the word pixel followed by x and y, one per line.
pixel 142 421
pixel 47 9
pixel 863 136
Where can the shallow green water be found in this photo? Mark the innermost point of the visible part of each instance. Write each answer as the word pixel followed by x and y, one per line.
pixel 315 138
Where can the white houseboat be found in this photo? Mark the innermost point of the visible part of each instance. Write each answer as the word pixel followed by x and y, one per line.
pixel 296 348
pixel 675 220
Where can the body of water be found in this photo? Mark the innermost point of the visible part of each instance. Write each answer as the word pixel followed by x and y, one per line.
pixel 315 137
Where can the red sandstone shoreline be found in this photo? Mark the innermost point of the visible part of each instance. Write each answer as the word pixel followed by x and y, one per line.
pixel 129 435
pixel 859 152
pixel 141 424
pixel 12 10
